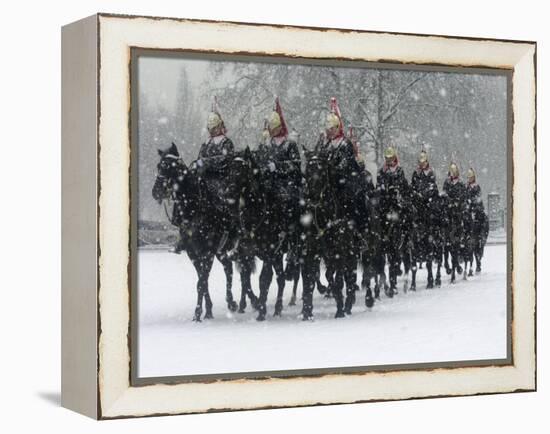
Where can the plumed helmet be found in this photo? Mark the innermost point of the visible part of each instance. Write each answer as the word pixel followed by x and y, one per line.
pixel 390 154
pixel 334 124
pixel 214 123
pixel 471 175
pixel 332 121
pixel 453 170
pixel 422 157
pixel 276 122
pixel 273 121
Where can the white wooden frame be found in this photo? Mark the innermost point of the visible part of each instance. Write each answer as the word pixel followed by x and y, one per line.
pixel 96 215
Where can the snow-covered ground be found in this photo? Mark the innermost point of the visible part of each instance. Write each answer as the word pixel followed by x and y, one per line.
pixel 464 321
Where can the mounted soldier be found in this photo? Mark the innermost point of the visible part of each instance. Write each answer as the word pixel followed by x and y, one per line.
pixel 473 190
pixel 456 220
pixel 211 168
pixel 394 202
pixel 479 230
pixel 349 217
pixel 280 169
pixel 425 198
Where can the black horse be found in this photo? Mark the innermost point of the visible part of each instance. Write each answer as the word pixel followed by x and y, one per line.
pixel 456 226
pixel 261 229
pixel 204 224
pixel 372 258
pixel 478 237
pixel 327 234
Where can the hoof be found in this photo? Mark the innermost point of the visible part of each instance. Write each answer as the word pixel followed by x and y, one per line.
pixel 448 270
pixel 470 273
pixel 369 302
pixel 339 314
pixel 430 285
pixel 307 317
pixel 242 307
pixel 437 281
pixel 197 318
pixel 208 315
pixel 413 288
pixel 459 269
pixel 232 306
pixel 292 301
pixel 278 308
pixel 321 288
pixel 260 317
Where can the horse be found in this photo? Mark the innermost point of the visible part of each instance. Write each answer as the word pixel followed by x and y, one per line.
pixel 455 227
pixel 328 234
pixel 372 258
pixel 428 241
pixel 261 229
pixel 478 237
pixel 206 238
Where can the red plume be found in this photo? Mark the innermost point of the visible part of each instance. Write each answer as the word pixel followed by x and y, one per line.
pixel 336 110
pixel 279 110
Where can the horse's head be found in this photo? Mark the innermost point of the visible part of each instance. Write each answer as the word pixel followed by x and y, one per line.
pixel 316 173
pixel 171 172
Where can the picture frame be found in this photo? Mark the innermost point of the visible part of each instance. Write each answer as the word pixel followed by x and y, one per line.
pixel 98 278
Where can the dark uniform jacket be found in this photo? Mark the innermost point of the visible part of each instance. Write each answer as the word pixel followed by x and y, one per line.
pixel 393 189
pixel 215 155
pixel 346 176
pixel 425 194
pixel 457 209
pixel 281 164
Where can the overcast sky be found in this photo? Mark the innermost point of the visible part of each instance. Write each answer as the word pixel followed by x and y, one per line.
pixel 160 78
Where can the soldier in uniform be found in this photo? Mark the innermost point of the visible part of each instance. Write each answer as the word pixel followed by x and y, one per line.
pixel 425 195
pixel 479 220
pixel 473 190
pixel 211 167
pixel 456 219
pixel 280 167
pixel 394 203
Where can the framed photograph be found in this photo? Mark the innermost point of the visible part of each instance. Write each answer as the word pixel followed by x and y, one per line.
pixel 262 216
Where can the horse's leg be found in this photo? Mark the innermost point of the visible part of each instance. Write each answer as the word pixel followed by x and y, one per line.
pixel 329 275
pixel 413 278
pixel 446 253
pixel 454 263
pixel 408 266
pixel 266 275
pixel 478 255
pixel 296 279
pixel 365 281
pixel 336 289
pixel 207 301
pixel 393 265
pixel 350 277
pixel 228 269
pixel 246 286
pixel 430 284
pixel 309 272
pixel 200 289
pixel 280 274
